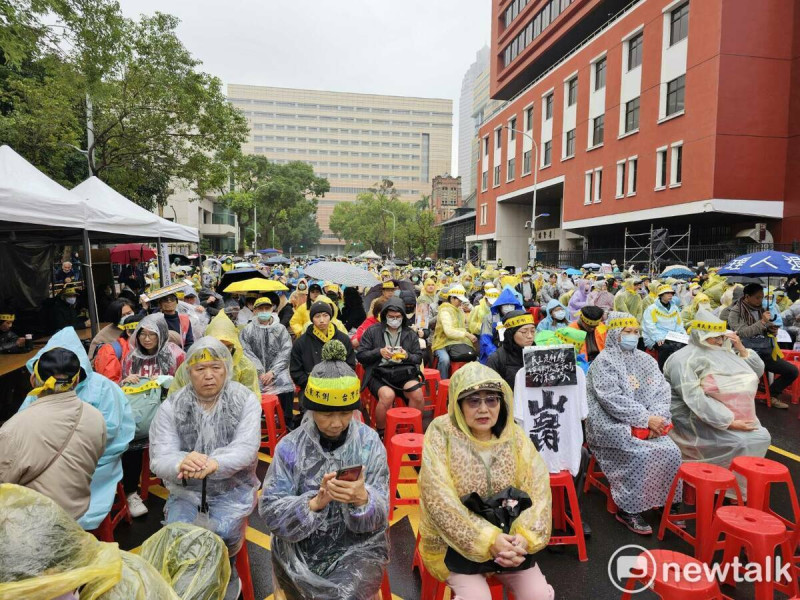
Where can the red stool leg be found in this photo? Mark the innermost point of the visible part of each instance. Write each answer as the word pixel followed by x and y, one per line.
pixel 395 460
pixel 559 511
pixel 386 590
pixel 245 575
pixel 577 521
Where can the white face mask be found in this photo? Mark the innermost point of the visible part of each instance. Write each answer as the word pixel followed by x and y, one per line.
pixel 70 299
pixel 559 314
pixel 394 322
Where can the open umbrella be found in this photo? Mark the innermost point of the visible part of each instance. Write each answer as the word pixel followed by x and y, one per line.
pixel 270 251
pixel 572 272
pixel 341 273
pixel 768 263
pixel 124 253
pixel 678 272
pixel 377 290
pixel 277 260
pixel 590 266
pixel 256 284
pixel 235 275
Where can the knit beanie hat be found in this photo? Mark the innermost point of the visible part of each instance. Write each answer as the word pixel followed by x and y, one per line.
pixel 332 386
pixel 319 307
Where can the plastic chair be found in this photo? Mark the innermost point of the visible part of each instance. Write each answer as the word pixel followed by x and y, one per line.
pixel 402 420
pixel 441 399
pixel 455 366
pixel 670 587
pixel 760 474
pixel 146 479
pixel 119 511
pixel 243 569
pixel 561 483
pixel 271 408
pixel 386 590
pixel 762 393
pixel 400 445
pixel 709 483
pixel 432 378
pixel 593 476
pixel 758 534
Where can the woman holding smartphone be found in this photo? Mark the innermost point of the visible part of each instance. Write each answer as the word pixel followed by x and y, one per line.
pixel 325 496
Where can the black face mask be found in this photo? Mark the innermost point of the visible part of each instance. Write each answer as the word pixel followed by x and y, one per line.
pixel 332 296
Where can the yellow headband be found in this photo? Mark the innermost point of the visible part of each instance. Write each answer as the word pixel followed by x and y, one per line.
pixel 590 322
pixel 52 384
pixel 319 390
pixel 717 327
pixel 518 321
pixel 204 356
pixel 623 323
pixel 7 317
pixel 129 326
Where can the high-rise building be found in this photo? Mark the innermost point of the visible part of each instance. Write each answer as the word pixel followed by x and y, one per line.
pixel 637 114
pixel 353 140
pixel 445 197
pixel 467 126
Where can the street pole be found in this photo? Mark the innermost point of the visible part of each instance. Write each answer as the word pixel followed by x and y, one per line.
pixel 394 228
pixel 532 249
pixel 255 228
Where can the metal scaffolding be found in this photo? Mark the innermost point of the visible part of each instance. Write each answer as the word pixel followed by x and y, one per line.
pixel 651 251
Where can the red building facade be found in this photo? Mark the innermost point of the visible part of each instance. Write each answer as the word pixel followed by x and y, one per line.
pixel 654 112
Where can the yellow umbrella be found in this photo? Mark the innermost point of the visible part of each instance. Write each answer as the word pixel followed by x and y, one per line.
pixel 256 284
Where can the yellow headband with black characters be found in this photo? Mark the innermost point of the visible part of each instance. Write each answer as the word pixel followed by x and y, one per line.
pixel 590 322
pixel 203 357
pixel 623 322
pixel 716 327
pixel 51 383
pixel 345 392
pixel 518 321
pixel 129 326
pixel 7 317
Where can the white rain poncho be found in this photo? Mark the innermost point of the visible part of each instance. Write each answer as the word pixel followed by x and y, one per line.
pixel 711 387
pixel 624 389
pixel 230 433
pixel 197 318
pixel 339 552
pixel 165 361
pixel 269 348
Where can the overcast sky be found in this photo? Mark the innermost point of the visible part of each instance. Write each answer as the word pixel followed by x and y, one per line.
pixel 399 47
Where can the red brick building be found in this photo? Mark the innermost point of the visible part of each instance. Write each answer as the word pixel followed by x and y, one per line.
pixel 653 112
pixel 445 197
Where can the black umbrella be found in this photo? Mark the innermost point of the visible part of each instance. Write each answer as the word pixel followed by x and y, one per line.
pixel 235 275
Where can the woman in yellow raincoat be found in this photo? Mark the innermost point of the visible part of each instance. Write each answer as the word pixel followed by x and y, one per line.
pixel 244 371
pixel 477 448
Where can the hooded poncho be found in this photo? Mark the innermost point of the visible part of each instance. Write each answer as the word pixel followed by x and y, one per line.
pixel 167 357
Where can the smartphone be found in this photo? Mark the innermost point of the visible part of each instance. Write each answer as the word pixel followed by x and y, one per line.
pixel 349 473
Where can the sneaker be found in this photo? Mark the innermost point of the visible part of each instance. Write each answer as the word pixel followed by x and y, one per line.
pixel 234 589
pixel 634 522
pixel 136 506
pixel 675 509
pixel 777 403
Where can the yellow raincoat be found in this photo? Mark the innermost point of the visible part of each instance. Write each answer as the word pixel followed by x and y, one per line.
pixel 451 327
pixel 453 468
pixel 302 317
pixel 244 371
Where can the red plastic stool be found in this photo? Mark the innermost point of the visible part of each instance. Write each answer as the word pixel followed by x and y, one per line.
pixel 561 483
pixel 759 534
pixel 760 474
pixel 386 590
pixel 271 408
pixel 146 480
pixel 441 399
pixel 670 587
pixel 455 366
pixel 400 445
pixel 763 394
pixel 243 569
pixel 431 387
pixel 709 481
pixel 593 476
pixel 119 511
pixel 402 420
pixel 433 589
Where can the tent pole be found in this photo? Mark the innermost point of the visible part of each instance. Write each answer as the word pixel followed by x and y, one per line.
pixel 89 278
pixel 161 265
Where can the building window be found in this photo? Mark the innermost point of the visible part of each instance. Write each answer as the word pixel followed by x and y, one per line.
pixel 620 179
pixel 485 181
pixel 600 74
pixel 675 92
pixel 598 184
pixel 498 137
pixel 548 107
pixel 661 168
pixel 633 166
pixel 512 128
pixel 679 24
pixel 632 115
pixel 497 176
pixel 587 188
pixel 426 145
pixel 676 166
pixel 484 213
pixel 526 162
pixel 597 130
pixel 572 91
pixel 510 166
pixel 486 146
pixel 548 152
pixel 529 118
pixel 635 51
pixel 569 145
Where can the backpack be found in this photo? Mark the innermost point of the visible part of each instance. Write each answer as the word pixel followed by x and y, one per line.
pixel 144 399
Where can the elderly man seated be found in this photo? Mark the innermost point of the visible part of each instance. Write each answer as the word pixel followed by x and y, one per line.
pixel 714 381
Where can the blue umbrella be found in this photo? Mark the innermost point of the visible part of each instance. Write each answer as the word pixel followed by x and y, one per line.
pixel 678 273
pixel 769 263
pixel 270 251
pixel 572 271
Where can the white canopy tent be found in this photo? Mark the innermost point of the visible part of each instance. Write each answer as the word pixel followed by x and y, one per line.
pixel 369 255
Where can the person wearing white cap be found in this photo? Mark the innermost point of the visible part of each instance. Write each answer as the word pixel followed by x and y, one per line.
pixel 451 328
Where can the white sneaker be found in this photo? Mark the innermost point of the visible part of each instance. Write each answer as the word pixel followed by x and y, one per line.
pixel 136 506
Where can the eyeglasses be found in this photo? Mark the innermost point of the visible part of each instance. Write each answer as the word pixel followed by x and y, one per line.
pixel 474 402
pixel 148 334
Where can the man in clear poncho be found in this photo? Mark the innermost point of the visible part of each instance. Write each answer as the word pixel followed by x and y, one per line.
pixel 210 429
pixel 107 397
pixel 714 381
pixel 329 536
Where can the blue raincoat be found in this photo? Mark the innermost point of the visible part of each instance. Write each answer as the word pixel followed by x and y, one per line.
pixel 489 325
pixel 658 321
pixel 548 324
pixel 107 397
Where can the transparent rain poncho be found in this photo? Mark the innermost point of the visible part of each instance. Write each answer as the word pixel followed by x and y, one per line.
pixel 340 551
pixel 140 581
pixel 270 346
pixel 193 560
pixel 197 319
pixel 711 387
pixel 167 357
pixel 453 467
pixel 44 553
pixel 229 432
pixel 244 370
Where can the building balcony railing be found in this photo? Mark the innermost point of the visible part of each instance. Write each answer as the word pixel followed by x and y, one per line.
pixel 223 219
